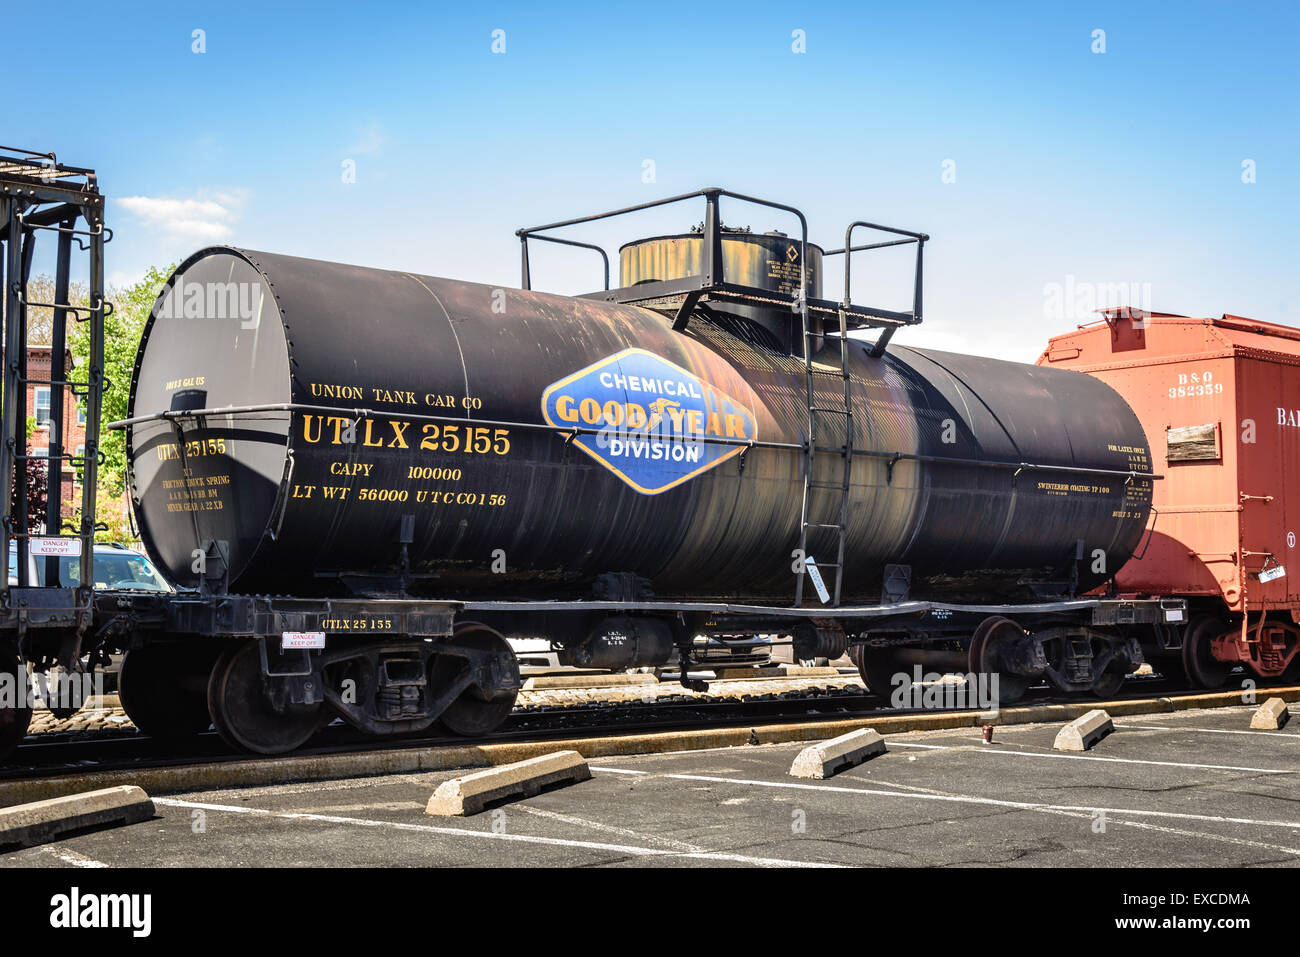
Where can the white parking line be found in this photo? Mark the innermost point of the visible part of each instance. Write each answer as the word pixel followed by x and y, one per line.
pixel 1092 757
pixel 987 802
pixel 71 858
pixel 1165 727
pixel 1204 835
pixel 611 829
pixel 491 835
pixel 1141 825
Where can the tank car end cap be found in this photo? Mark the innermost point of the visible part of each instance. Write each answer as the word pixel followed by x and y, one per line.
pixel 846 751
pixel 1271 716
pixel 41 822
pixel 471 793
pixel 1083 732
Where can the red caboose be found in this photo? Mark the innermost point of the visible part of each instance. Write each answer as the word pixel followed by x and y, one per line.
pixel 1220 402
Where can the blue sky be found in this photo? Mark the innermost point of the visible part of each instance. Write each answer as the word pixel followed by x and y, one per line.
pixel 1071 166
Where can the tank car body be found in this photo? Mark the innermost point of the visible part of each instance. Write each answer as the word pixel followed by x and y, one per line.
pixel 575 438
pixel 377 476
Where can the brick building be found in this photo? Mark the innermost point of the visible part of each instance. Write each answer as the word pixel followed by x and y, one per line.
pixel 39 407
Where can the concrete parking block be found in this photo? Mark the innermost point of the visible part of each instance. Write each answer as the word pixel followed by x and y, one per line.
pixel 1083 732
pixel 1272 715
pixel 846 751
pixel 593 743
pixel 470 793
pixel 43 821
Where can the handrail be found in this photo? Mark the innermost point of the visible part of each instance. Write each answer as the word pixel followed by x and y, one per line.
pixel 567 242
pixel 878 349
pixel 171 415
pixel 712 274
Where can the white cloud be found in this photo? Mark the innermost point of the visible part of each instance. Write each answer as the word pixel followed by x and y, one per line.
pixel 120 279
pixel 203 218
pixel 369 139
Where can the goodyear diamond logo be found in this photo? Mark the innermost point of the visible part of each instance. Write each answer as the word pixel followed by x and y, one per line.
pixel 652 423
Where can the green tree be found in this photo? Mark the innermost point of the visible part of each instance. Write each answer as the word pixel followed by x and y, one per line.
pixel 40 319
pixel 122 330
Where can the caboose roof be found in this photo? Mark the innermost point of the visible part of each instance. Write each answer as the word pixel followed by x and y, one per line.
pixel 1125 336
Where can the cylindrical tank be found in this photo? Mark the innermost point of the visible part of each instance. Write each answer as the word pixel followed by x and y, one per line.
pixel 447 479
pixel 767 261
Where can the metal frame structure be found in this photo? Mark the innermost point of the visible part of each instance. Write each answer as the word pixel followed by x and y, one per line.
pixel 40 194
pixel 681 295
pixel 711 284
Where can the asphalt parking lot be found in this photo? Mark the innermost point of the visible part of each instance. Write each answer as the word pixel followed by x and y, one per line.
pixel 1187 789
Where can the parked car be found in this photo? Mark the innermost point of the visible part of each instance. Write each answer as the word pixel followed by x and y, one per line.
pixel 535 653
pixel 711 653
pixel 733 651
pixel 116 568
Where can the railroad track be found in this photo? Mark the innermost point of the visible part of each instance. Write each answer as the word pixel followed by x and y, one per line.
pixel 124 750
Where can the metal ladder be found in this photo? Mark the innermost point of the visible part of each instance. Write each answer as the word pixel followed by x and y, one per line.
pixel 816 453
pixel 39 194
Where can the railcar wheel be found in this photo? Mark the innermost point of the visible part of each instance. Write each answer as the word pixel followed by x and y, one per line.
pixel 877 667
pixel 241 708
pixel 983 656
pixel 164 690
pixel 16 713
pixel 478 711
pixel 1107 684
pixel 1203 668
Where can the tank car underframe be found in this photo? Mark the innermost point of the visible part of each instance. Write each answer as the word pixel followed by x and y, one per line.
pixel 1075 653
pixel 392 666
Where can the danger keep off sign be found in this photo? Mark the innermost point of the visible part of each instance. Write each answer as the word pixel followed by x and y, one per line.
pixel 56 546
